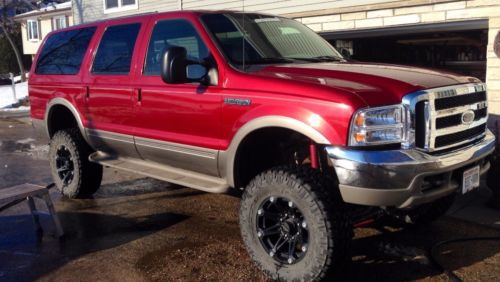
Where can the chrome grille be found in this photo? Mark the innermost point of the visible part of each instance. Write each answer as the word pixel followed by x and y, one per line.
pixel 446 117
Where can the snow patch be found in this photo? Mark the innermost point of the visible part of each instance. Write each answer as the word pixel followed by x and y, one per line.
pixel 7 97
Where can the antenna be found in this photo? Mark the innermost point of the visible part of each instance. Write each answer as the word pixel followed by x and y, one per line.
pixel 243 33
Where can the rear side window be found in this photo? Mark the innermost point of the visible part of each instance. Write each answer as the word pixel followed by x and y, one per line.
pixel 170 33
pixel 115 51
pixel 63 52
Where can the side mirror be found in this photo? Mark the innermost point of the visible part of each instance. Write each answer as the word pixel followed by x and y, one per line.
pixel 173 65
pixel 176 68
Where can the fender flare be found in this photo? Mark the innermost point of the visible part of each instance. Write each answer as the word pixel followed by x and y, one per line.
pixel 68 105
pixel 227 158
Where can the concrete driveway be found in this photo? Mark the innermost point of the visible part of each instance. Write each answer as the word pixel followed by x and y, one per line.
pixel 140 229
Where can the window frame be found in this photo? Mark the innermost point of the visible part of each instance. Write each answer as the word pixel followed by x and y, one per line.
pixel 54 22
pixel 120 7
pixel 94 55
pixel 82 62
pixel 29 32
pixel 156 22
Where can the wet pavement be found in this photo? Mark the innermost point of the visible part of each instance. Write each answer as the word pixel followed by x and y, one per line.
pixel 140 229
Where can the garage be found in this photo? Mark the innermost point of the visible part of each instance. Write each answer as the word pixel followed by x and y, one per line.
pixel 459 47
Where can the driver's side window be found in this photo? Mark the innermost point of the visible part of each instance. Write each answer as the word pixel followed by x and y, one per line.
pixel 170 33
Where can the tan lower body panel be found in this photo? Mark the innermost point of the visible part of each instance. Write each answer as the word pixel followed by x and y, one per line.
pixel 166 173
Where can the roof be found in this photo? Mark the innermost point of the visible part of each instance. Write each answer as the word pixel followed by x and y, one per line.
pixel 48 9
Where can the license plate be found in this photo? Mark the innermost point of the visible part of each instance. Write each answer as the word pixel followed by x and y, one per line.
pixel 470 179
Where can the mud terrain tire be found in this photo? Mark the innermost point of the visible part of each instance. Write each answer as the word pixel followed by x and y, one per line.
pixel 329 226
pixel 84 177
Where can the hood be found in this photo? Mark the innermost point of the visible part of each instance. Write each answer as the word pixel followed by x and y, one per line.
pixel 376 84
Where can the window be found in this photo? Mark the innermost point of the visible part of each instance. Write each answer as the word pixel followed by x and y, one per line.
pixel 115 51
pixel 63 52
pixel 112 6
pixel 267 39
pixel 32 30
pixel 59 22
pixel 171 33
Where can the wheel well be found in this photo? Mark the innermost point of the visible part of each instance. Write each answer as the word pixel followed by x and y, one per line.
pixel 266 148
pixel 60 117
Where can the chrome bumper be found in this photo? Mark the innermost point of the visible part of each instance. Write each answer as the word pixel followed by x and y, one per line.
pixel 401 178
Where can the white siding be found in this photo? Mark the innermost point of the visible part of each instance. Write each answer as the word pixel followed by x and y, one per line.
pixel 277 6
pixel 93 10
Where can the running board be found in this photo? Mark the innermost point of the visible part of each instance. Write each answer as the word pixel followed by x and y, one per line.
pixel 163 172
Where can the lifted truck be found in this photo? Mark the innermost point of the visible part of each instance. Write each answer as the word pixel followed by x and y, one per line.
pixel 220 100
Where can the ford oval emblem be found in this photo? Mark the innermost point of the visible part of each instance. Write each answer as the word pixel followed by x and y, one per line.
pixel 468 117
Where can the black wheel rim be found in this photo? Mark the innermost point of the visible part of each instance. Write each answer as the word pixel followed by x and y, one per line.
pixel 64 165
pixel 282 230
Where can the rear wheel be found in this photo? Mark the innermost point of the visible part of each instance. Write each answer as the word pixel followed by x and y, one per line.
pixel 74 175
pixel 294 224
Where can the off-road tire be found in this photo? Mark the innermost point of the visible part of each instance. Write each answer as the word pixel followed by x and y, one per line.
pixel 427 213
pixel 87 175
pixel 329 224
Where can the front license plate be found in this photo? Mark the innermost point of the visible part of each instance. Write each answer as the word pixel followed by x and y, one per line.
pixel 470 180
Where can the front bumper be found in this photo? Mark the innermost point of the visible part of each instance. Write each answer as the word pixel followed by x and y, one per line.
pixel 404 178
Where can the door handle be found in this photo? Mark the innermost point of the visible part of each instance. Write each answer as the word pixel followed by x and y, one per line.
pixel 139 94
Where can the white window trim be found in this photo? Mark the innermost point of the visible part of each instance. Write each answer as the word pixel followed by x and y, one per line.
pixel 28 28
pixel 120 8
pixel 54 21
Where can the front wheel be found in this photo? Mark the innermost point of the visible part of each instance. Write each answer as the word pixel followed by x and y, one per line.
pixel 294 224
pixel 74 175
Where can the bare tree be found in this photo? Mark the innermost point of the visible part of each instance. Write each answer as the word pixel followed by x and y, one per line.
pixel 7 24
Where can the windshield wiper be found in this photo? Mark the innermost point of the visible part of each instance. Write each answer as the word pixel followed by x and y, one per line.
pixel 269 60
pixel 321 59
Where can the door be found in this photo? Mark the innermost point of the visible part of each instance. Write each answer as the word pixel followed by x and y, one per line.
pixel 110 93
pixel 177 125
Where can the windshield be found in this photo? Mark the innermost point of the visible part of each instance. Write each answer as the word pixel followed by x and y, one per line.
pixel 267 39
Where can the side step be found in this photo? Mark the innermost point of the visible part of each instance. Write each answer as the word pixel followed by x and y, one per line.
pixel 163 172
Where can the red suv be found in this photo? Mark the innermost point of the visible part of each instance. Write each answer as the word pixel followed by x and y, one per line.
pixel 219 100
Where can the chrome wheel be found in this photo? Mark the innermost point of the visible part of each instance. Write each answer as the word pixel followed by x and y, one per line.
pixel 282 230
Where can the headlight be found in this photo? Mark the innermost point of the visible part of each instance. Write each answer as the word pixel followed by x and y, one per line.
pixel 375 126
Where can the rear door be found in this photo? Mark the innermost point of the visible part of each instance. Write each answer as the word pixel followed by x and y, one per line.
pixel 177 124
pixel 110 92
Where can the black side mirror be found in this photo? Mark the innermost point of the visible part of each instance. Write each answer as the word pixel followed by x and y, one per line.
pixel 173 65
pixel 176 68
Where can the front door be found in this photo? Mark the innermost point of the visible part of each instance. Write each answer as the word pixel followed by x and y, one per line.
pixel 177 125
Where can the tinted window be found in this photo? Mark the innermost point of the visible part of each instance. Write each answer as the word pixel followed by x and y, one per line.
pixel 260 39
pixel 63 52
pixel 171 33
pixel 115 51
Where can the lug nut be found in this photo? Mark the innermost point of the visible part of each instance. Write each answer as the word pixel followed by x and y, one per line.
pixel 304 248
pixel 290 260
pixel 259 234
pixel 271 253
pixel 304 224
pixel 290 204
pixel 260 212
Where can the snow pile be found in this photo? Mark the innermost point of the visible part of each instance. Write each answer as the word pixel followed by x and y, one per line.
pixel 7 97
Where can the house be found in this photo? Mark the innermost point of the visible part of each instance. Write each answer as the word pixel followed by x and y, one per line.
pixel 454 35
pixel 36 24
